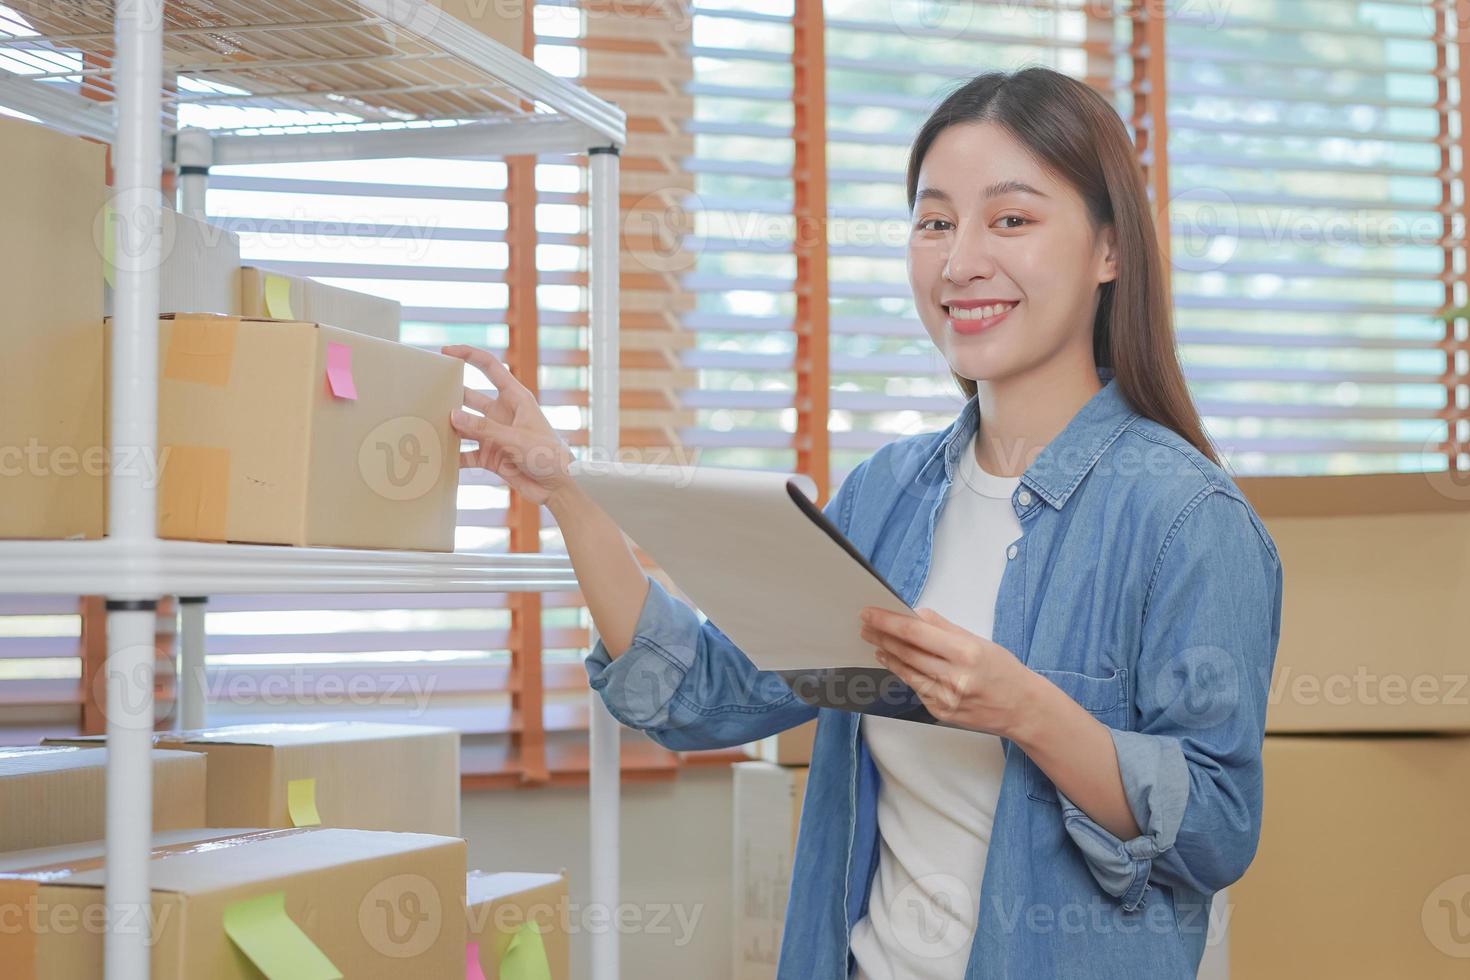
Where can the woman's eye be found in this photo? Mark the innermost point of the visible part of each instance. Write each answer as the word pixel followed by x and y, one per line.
pixel 928 224
pixel 1014 217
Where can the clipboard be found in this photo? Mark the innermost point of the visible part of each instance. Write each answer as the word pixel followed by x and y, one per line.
pixel 753 552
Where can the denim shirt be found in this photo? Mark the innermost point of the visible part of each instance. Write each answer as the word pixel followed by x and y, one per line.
pixel 1143 585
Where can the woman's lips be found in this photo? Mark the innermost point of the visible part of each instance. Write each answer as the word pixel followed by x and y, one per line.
pixel 973 326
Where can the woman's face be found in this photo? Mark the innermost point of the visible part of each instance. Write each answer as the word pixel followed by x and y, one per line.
pixel 1002 257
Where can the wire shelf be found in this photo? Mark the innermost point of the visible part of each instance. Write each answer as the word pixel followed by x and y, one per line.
pixel 287 67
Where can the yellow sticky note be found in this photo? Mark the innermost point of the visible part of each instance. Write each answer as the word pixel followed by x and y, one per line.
pixel 525 957
pixel 301 803
pixel 260 928
pixel 278 297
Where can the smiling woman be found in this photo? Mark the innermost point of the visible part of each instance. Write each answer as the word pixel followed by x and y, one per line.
pixel 1099 606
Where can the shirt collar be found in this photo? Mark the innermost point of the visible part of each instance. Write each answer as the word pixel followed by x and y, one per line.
pixel 1060 466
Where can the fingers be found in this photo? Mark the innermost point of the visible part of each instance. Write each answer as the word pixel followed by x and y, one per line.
pixel 479 401
pixel 915 657
pixel 491 367
pixel 922 683
pixel 918 632
pixel 483 428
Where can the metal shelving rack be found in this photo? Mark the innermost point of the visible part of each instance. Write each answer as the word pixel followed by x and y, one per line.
pixel 399 78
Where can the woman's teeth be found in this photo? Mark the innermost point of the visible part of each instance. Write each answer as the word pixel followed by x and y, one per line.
pixel 979 312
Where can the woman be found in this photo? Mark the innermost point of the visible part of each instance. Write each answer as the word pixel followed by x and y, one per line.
pixel 1099 606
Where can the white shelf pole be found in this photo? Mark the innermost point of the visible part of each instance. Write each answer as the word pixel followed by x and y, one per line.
pixel 604 738
pixel 190 688
pixel 193 156
pixel 138 202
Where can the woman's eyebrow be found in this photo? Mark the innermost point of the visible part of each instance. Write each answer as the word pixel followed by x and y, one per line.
pixel 1011 187
pixel 934 194
pixel 994 190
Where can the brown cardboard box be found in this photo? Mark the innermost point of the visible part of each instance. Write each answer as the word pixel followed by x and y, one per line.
pixel 1375 568
pixel 376 905
pixel 792 747
pixel 255 446
pixel 502 21
pixel 768 801
pixel 367 776
pixel 51 377
pixel 200 271
pixel 274 295
pixel 498 905
pixel 1363 869
pixel 57 794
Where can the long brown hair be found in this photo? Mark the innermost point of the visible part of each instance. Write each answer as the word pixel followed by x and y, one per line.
pixel 1073 130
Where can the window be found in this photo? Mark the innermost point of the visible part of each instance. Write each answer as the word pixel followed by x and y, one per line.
pixel 1303 159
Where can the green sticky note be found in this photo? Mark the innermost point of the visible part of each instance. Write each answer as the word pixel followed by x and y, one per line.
pixel 260 928
pixel 301 803
pixel 278 297
pixel 109 245
pixel 525 956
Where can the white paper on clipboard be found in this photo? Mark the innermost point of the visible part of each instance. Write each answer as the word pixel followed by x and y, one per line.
pixel 739 543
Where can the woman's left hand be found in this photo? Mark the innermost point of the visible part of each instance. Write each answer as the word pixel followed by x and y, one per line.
pixel 962 678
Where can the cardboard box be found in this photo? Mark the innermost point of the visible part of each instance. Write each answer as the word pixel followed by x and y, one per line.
pixel 1375 567
pixel 768 801
pixel 277 296
pixel 363 775
pixel 503 906
pixel 57 794
pixel 303 434
pixel 51 377
pixel 375 905
pixel 200 271
pixel 792 747
pixel 502 22
pixel 1363 870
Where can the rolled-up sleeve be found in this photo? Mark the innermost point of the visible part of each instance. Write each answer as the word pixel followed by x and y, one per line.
pixel 1191 765
pixel 686 684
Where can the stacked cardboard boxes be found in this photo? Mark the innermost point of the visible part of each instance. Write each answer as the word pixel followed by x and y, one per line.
pixel 247 903
pixel 55 794
pixel 767 803
pixel 366 776
pixel 1363 869
pixel 517 924
pixel 51 380
pixel 270 431
pixel 285 432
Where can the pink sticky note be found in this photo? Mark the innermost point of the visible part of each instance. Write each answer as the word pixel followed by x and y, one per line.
pixel 339 371
pixel 472 969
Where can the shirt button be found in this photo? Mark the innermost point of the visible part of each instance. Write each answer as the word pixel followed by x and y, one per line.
pixel 1024 498
pixel 1012 551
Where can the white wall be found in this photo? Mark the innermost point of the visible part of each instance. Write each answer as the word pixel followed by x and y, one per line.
pixel 676 861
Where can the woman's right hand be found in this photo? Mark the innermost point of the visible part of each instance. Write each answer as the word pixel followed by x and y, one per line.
pixel 515 440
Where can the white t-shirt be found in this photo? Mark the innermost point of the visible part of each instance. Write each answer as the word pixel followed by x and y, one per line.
pixel 939 786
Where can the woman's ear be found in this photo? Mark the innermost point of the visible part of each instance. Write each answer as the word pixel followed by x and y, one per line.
pixel 1107 269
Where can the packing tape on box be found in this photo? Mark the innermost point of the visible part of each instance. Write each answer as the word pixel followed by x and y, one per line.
pixel 194 501
pixel 201 350
pixel 62 869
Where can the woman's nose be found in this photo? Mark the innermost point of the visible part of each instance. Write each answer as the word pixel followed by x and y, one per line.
pixel 969 259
